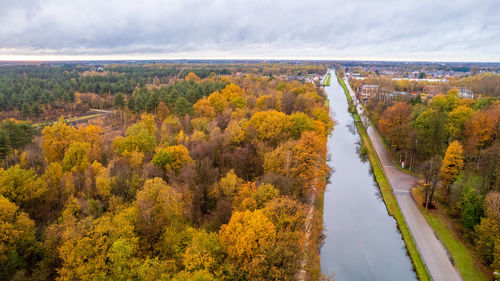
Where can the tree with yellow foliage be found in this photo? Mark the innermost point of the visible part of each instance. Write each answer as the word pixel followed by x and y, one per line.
pixel 267 102
pixel 56 140
pixel 453 162
pixel 280 159
pixel 172 158
pixel 269 126
pixel 102 249
pixel 158 206
pixel 217 101
pixel 17 238
pixel 21 186
pixel 227 186
pixel 234 134
pixel 91 134
pixel 139 137
pixel 162 112
pixel 321 114
pixel 204 252
pixel 232 91
pixel 457 119
pixel 300 122
pixel 53 177
pixel 76 157
pixel 247 237
pixel 98 181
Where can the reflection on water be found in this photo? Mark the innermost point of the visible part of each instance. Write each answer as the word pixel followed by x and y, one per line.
pixel 362 241
pixel 361 151
pixel 351 127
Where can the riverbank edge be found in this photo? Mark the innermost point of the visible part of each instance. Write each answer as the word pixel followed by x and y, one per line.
pixel 310 268
pixel 327 80
pixel 387 195
pixel 444 231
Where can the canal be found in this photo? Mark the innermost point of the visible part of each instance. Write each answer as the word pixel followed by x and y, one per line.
pixel 362 240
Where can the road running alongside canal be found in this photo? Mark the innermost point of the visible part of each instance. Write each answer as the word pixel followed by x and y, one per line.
pixel 431 249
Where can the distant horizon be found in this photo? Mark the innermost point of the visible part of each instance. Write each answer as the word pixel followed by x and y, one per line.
pixel 320 59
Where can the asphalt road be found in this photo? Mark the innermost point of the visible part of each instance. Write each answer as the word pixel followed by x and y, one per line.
pixel 431 250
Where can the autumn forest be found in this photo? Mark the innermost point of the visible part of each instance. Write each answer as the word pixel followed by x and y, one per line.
pixel 218 170
pixel 199 172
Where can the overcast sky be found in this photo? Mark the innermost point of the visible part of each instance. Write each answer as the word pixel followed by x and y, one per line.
pixel 461 30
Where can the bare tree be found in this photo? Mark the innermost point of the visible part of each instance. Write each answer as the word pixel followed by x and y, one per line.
pixel 430 170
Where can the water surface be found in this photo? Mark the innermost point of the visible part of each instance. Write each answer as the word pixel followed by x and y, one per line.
pixel 363 242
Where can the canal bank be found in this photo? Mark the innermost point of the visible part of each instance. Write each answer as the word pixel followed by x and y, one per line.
pixel 438 264
pixel 362 239
pixel 385 188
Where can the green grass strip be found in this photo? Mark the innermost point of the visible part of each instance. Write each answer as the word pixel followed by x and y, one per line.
pixel 463 256
pixel 388 196
pixel 327 80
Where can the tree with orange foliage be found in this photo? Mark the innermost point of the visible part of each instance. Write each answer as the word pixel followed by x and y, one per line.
pixel 192 77
pixel 309 160
pixel 203 108
pixel 481 129
pixel 394 124
pixel 162 112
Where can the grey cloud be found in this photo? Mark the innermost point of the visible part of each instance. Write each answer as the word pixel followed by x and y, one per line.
pixel 437 30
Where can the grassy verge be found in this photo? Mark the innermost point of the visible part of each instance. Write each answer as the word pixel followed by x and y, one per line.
pixel 463 256
pixel 327 80
pixel 388 196
pixel 351 102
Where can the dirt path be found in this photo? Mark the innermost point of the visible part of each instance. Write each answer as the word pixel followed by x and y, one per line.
pixel 302 274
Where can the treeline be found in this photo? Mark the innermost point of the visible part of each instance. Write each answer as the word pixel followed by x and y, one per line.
pixel 484 84
pixel 34 92
pixel 179 97
pixel 220 192
pixel 388 85
pixel 47 85
pixel 454 143
pixel 487 83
